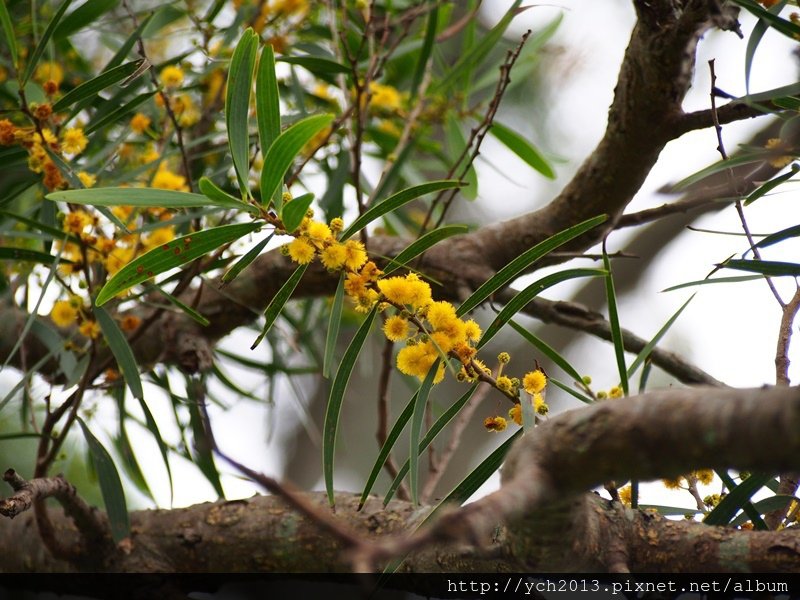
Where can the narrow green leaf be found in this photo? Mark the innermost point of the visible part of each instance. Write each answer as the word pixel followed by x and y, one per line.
pixel 479 52
pixel 457 147
pixel 642 356
pixel 237 105
pixel 547 350
pixel 152 427
pixel 110 485
pixel 141 197
pixel 23 254
pixel 427 440
pixel 118 344
pixel 8 30
pixel 708 281
pixel 336 398
pixel 422 244
pixel 508 273
pixel 184 308
pixel 284 149
pixel 763 507
pixel 420 403
pixel 295 211
pixel 771 184
pixel 769 268
pixel 738 496
pixel 170 255
pixel 278 301
pixel 734 161
pixel 219 197
pixel 41 46
pixel 613 320
pixel 245 260
pixel 755 38
pixel 779 236
pixel 570 390
pixel 523 298
pixel 769 95
pixel 425 51
pixel 386 449
pixel 522 148
pixel 82 16
pixel 787 28
pixel 202 454
pixel 789 103
pixel 268 108
pixel 394 202
pixel 316 64
pixel 334 321
pixel 118 113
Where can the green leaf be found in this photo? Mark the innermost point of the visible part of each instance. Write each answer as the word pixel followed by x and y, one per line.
pixel 763 507
pixel 268 108
pixel 613 320
pixel 170 255
pixel 523 298
pixel 426 441
pixel 570 390
pixel 457 147
pixel 717 280
pixel 23 254
pixel 334 321
pixel 184 308
pixel 771 184
pixel 386 449
pixel 8 30
pixel 219 197
pixel 522 148
pixel 237 105
pixel 734 161
pixel 336 398
pixel 89 89
pixel 779 236
pixel 316 64
pixel 245 260
pixel 425 51
pixel 755 38
pixel 769 268
pixel 394 202
pixel 547 350
pixel 738 496
pixel 41 46
pixel 508 273
pixel 110 485
pixel 422 244
pixel 295 211
pixel 478 54
pixel 787 28
pixel 284 149
pixel 82 16
pixel 152 427
pixel 118 113
pixel 642 356
pixel 278 301
pixel 202 454
pixel 118 344
pixel 140 197
pixel 420 403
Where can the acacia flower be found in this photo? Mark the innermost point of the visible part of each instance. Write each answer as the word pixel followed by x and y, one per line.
pixel 171 76
pixel 333 256
pixel 64 313
pixel 534 381
pixel 90 329
pixel 140 122
pixel 300 251
pixel 73 141
pixel 396 328
pixel 495 424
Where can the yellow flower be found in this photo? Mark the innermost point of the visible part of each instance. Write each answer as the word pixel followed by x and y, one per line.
pixel 504 384
pixel 49 71
pixel 385 97
pixel 417 359
pixel 140 122
pixel 396 328
pixel 118 258
pixel 73 141
pixel 625 495
pixel 77 221
pixel 87 179
pixel 356 255
pixel 472 330
pixel 300 251
pixel 539 405
pixel 333 256
pixel 495 424
pixel 167 180
pixel 318 232
pixel 673 484
pixel 90 329
pixel 515 414
pixel 615 392
pixel 534 381
pixel 130 323
pixel 64 313
pixel 704 476
pixel 171 76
